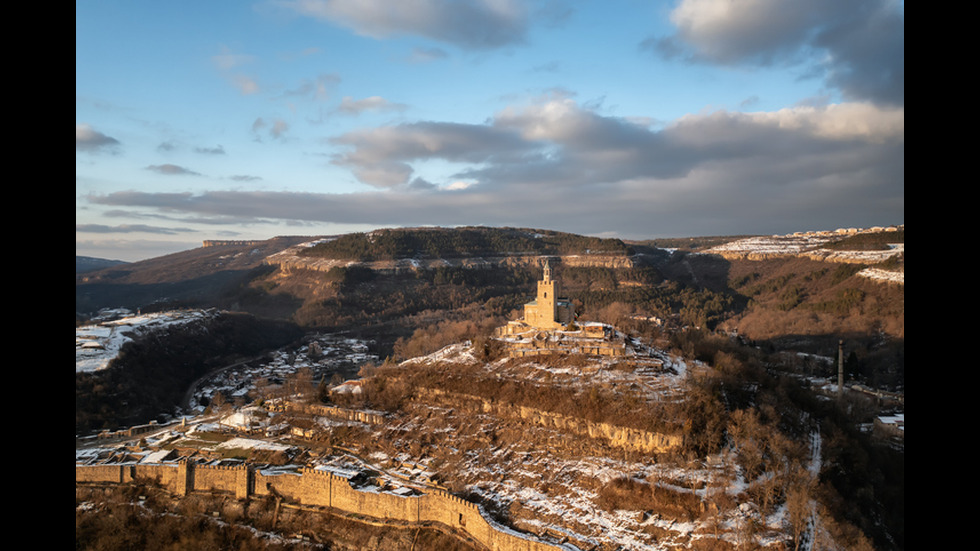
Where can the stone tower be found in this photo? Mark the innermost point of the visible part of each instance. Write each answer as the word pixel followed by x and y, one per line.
pixel 547 298
pixel 548 310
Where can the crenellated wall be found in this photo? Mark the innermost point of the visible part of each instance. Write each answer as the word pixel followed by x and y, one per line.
pixel 321 488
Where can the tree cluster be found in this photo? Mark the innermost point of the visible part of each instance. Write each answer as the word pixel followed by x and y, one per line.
pixel 750 406
pixel 868 241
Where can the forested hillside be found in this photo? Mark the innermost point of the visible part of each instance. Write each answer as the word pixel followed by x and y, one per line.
pixel 152 373
pixel 760 335
pixel 458 242
pixel 784 300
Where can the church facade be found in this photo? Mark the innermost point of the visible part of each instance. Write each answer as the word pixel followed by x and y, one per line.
pixel 548 310
pixel 549 327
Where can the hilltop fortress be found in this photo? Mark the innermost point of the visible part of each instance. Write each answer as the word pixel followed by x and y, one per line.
pixel 549 326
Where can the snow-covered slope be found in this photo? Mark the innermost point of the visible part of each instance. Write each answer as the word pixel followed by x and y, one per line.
pixel 98 344
pixel 812 245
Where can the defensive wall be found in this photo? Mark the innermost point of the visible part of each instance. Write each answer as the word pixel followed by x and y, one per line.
pixel 344 414
pixel 521 340
pixel 547 346
pixel 320 488
pixel 131 431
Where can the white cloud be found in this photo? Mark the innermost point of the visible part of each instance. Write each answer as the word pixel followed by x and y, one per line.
pixel 246 85
pixel 458 185
pixel 380 156
pixel 726 31
pixel 555 164
pixel 171 170
pixel 90 140
pixel 317 89
pixel 277 128
pixel 228 60
pixel 472 24
pixel 353 106
pixel 858 47
pixel 425 55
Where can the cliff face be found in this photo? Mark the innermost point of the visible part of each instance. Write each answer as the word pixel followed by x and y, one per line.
pixel 824 255
pixel 620 437
pixel 291 259
pixel 811 246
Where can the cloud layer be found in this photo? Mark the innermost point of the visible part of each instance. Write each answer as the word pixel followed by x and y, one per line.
pixel 319 112
pixel 469 24
pixel 558 142
pixel 862 43
pixel 556 164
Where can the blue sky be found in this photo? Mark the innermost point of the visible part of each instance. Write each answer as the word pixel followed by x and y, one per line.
pixel 247 120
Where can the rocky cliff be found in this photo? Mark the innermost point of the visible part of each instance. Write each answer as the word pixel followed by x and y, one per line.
pixel 292 259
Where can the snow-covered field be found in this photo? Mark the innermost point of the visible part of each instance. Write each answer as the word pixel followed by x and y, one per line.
pixel 883 275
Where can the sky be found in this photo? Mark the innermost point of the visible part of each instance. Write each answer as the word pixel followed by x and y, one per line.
pixel 615 118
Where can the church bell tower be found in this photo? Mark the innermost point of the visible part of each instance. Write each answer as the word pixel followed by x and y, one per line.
pixel 547 298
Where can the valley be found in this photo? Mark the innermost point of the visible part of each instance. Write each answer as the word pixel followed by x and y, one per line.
pixel 413 401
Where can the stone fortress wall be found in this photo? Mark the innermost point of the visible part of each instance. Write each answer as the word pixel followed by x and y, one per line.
pixel 324 489
pixel 521 340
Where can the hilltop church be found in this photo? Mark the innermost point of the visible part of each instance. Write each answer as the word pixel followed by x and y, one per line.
pixel 549 327
pixel 548 310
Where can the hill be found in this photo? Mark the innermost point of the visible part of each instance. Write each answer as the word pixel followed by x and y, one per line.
pixel 199 277
pixel 148 370
pixel 89 264
pixel 733 367
pixel 551 449
pixel 418 289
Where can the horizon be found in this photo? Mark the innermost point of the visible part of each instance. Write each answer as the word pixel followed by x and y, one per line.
pixel 246 121
pixel 640 239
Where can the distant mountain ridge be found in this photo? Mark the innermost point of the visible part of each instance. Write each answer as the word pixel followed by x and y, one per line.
pixel 405 278
pixel 90 264
pixel 200 276
pixel 197 277
pixel 462 242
